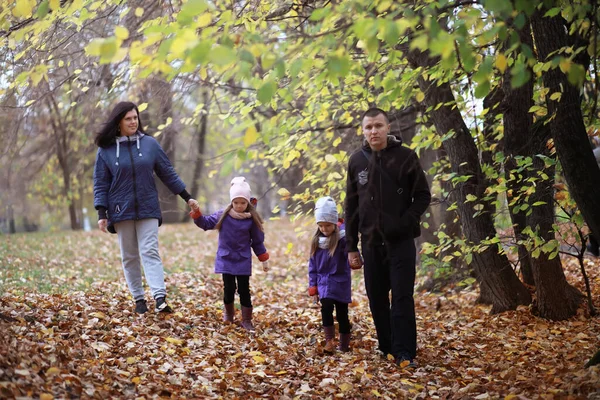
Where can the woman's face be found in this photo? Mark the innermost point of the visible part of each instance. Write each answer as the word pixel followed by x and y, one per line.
pixel 129 124
pixel 326 228
pixel 239 204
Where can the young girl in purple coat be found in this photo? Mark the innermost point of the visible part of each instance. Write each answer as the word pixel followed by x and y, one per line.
pixel 240 229
pixel 329 275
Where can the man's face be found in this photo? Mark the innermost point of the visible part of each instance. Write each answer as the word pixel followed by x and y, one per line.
pixel 375 130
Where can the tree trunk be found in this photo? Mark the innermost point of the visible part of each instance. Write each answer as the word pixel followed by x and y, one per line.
pixel 160 99
pixel 496 275
pixel 567 127
pixel 556 298
pixel 199 163
pixel 517 142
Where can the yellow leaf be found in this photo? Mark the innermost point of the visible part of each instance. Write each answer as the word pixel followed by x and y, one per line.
pixel 142 107
pixel 99 315
pixel 284 193
pixel 420 96
pixel 204 20
pixel 46 396
pixel 131 360
pixel 136 380
pixel 254 353
pixel 330 159
pixel 344 387
pixel 139 12
pixel 175 341
pixel 501 62
pixel 251 136
pixel 121 32
pixel 179 46
pixel 281 372
pixel 565 65
pixel 530 334
pixel 55 4
pixel 258 359
pixel 510 397
pixel 376 393
pixel 23 8
pixel 53 371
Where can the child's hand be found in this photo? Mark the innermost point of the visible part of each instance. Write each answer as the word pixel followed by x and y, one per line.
pixel 195 213
pixel 265 265
pixel 253 201
pixel 313 291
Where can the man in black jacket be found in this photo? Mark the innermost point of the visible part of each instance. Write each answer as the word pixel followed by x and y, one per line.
pixel 386 194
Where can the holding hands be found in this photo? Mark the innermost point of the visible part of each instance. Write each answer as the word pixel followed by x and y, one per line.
pixel 354 260
pixel 195 206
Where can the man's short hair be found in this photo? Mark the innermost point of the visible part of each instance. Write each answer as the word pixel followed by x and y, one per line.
pixel 373 112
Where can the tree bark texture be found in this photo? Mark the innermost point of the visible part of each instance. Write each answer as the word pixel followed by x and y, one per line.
pixel 556 299
pixel 567 127
pixel 517 142
pixel 495 272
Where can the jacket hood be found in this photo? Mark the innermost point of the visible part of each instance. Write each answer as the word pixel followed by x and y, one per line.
pixel 392 141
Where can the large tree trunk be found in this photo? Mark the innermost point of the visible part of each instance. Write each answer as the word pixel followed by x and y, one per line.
pixel 568 130
pixel 160 100
pixel 201 142
pixel 517 142
pixel 556 298
pixel 496 275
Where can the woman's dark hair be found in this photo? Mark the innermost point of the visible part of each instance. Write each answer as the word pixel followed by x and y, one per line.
pixel 110 130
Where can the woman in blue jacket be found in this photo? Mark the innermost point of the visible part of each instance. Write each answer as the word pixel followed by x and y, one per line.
pixel 126 199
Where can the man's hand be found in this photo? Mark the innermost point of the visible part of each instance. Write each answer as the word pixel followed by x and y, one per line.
pixel 102 224
pixel 354 260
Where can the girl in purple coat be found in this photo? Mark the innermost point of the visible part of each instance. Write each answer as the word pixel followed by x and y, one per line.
pixel 240 229
pixel 329 275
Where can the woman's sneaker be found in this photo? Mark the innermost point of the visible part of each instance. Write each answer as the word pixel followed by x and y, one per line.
pixel 141 307
pixel 162 306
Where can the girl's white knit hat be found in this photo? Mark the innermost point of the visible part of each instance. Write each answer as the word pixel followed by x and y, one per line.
pixel 326 210
pixel 239 188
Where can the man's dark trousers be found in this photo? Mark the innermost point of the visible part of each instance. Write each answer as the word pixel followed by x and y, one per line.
pixel 391 266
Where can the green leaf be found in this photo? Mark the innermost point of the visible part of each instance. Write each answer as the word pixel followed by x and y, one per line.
pixel 199 54
pixel 338 66
pixel 482 90
pixel 553 12
pixel 266 92
pixel 576 75
pixel 43 9
pixel 222 55
pixel 190 10
pixel 319 14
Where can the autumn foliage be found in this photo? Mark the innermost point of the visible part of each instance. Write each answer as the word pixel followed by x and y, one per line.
pixel 78 336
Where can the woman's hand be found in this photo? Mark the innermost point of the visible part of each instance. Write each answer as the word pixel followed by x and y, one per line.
pixel 194 205
pixel 102 224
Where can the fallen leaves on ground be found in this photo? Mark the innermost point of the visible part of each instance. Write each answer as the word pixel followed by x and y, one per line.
pixel 88 342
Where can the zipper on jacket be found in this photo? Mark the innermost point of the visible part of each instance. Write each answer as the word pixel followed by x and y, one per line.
pixel 378 160
pixel 135 199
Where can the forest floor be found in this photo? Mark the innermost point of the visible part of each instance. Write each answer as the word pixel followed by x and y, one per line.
pixel 68 330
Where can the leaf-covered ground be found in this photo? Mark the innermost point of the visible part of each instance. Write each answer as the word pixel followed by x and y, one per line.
pixel 69 331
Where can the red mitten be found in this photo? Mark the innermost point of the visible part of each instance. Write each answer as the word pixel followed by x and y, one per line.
pixel 195 214
pixel 313 291
pixel 263 257
pixel 253 201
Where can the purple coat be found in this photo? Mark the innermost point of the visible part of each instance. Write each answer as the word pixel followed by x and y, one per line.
pixel 331 275
pixel 236 237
